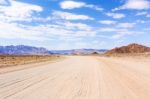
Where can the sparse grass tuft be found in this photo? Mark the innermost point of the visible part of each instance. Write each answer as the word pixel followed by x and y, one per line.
pixel 12 60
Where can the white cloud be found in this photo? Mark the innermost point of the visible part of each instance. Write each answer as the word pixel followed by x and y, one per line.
pixel 141 13
pixel 18 32
pixel 147 29
pixel 94 7
pixel 69 16
pixel 75 4
pixel 148 15
pixel 144 13
pixel 71 4
pixel 141 21
pixel 126 25
pixel 79 26
pixel 29 32
pixel 116 15
pixel 19 11
pixel 3 2
pixel 117 33
pixel 43 32
pixel 135 5
pixel 121 34
pixel 107 22
pixel 107 29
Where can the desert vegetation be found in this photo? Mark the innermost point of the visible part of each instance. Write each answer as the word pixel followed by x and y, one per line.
pixel 13 60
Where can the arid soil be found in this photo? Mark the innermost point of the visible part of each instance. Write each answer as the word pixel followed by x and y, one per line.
pixel 13 60
pixel 79 77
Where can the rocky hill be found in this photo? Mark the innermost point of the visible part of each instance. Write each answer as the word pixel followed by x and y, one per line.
pixel 129 49
pixel 23 50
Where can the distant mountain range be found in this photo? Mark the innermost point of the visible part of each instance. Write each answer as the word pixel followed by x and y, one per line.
pixel 131 48
pixel 79 51
pixel 23 50
pixel 30 50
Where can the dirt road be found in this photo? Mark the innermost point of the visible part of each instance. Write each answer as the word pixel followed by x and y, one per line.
pixel 79 77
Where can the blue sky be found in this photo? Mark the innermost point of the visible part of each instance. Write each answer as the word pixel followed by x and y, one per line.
pixel 74 24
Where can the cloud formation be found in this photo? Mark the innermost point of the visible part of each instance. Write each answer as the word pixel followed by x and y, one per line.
pixel 116 15
pixel 19 11
pixel 70 16
pixel 76 4
pixel 126 25
pixel 135 5
pixel 107 22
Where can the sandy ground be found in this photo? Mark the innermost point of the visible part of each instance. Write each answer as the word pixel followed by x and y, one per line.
pixel 79 77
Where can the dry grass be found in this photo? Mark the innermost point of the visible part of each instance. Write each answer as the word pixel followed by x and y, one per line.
pixel 13 60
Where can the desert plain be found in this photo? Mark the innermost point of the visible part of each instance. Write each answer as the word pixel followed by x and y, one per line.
pixel 78 77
